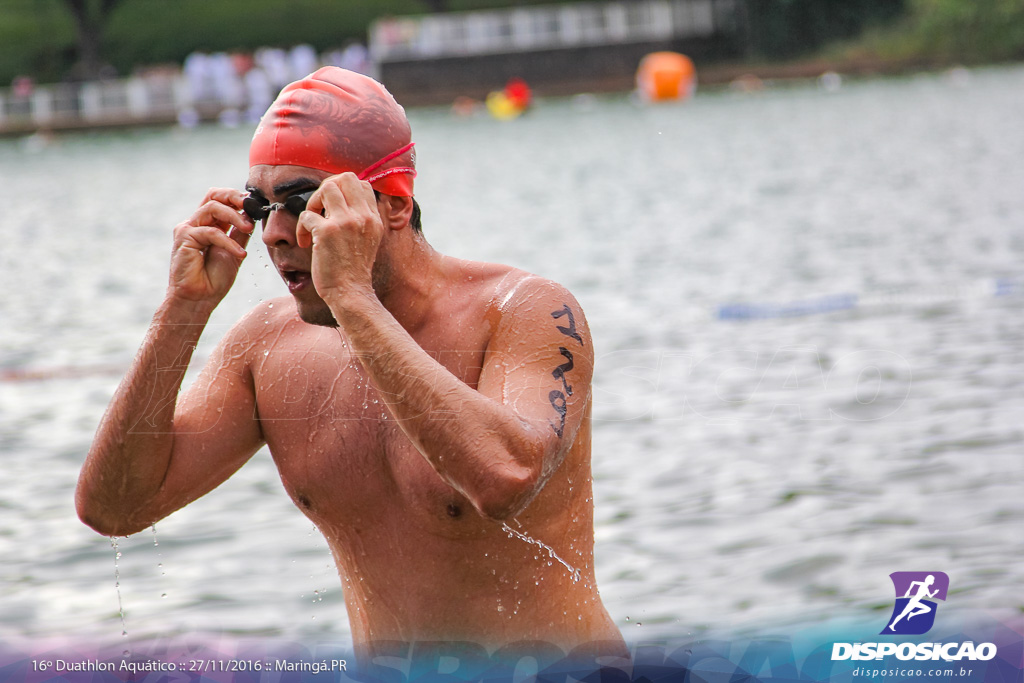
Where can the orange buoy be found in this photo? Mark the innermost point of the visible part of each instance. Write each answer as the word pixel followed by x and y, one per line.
pixel 664 76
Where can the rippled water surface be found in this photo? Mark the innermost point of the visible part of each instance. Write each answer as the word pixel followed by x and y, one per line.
pixel 748 472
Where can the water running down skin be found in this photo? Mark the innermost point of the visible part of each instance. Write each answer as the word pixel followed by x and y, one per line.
pixel 573 572
pixel 412 402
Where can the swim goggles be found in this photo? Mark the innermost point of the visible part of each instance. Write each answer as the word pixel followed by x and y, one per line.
pixel 260 209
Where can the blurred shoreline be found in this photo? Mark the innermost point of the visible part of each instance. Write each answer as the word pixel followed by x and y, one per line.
pixel 744 76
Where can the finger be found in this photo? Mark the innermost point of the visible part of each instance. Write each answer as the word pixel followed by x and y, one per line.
pixel 240 237
pixel 358 193
pixel 225 195
pixel 205 237
pixel 309 222
pixel 342 193
pixel 356 189
pixel 221 216
pixel 328 196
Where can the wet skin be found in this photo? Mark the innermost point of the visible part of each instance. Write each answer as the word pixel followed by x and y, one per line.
pixel 434 406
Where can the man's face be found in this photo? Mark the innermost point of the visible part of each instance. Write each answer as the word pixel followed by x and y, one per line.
pixel 272 184
pixel 275 184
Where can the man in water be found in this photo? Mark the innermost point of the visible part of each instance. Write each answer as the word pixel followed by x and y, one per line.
pixel 430 415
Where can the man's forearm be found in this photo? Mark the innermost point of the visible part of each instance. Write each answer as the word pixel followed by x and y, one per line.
pixel 130 454
pixel 475 443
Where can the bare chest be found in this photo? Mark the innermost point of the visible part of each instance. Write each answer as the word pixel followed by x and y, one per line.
pixel 341 455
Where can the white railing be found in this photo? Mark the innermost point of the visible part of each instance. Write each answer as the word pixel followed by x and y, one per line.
pixel 543 27
pixel 204 88
pixel 114 101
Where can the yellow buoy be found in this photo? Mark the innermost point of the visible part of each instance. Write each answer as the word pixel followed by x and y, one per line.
pixel 501 106
pixel 665 76
pixel 510 102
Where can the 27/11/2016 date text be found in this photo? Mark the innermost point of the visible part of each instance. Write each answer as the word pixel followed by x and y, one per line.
pixel 277 665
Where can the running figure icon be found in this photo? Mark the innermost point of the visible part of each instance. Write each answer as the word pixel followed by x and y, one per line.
pixel 915 607
pixel 916 593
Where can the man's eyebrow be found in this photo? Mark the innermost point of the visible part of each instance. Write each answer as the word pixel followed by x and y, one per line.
pixel 287 188
pixel 293 186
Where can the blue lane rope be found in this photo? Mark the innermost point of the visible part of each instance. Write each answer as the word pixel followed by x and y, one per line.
pixel 984 289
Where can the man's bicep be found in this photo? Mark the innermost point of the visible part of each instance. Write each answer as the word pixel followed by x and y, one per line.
pixel 216 429
pixel 540 364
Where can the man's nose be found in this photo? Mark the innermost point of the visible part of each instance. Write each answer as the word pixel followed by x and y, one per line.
pixel 279 230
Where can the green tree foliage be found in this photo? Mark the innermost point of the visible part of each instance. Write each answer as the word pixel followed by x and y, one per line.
pixel 790 28
pixel 968 31
pixel 90 19
pixel 154 31
pixel 38 37
pixel 41 38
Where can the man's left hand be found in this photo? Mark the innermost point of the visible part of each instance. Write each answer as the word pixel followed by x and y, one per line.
pixel 343 225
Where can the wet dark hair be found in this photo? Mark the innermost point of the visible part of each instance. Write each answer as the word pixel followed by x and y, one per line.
pixel 416 220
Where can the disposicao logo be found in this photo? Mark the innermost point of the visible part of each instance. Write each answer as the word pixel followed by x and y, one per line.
pixel 913 615
pixel 916 593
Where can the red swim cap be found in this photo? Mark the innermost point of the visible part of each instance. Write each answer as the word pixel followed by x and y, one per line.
pixel 337 120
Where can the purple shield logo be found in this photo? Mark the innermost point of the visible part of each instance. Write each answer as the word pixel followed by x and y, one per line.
pixel 916 593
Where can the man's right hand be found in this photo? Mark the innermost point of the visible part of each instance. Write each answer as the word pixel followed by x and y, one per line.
pixel 209 248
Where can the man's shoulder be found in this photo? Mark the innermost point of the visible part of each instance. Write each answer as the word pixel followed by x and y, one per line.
pixel 268 317
pixel 530 307
pixel 509 289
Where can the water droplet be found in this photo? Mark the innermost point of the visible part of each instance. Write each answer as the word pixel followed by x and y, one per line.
pixel 117 584
pixel 573 572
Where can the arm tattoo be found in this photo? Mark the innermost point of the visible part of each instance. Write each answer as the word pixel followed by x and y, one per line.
pixel 557 398
pixel 559 372
pixel 571 330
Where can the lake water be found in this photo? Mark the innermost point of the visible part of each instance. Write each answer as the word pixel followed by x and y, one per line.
pixel 748 473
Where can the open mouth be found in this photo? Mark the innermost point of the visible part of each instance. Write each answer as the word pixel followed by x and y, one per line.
pixel 297 280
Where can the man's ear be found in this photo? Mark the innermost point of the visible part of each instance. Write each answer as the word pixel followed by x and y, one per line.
pixel 395 212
